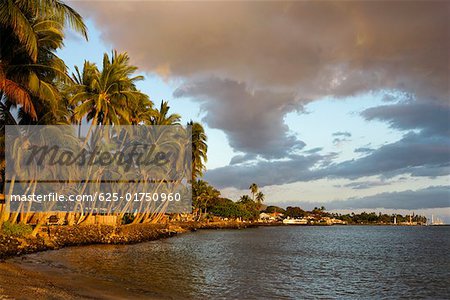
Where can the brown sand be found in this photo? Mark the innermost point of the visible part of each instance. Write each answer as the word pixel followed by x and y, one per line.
pixel 17 281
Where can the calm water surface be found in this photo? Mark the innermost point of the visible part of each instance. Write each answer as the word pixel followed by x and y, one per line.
pixel 270 262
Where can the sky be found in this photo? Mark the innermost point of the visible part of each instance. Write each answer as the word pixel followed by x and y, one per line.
pixel 341 104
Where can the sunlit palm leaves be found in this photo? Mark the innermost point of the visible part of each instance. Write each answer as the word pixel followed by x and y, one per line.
pixel 161 116
pixel 19 15
pixel 199 149
pixel 30 32
pixel 105 97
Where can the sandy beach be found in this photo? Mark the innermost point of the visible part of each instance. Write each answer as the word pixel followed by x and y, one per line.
pixel 19 280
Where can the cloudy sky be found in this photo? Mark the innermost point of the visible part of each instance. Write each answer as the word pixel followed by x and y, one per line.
pixel 342 104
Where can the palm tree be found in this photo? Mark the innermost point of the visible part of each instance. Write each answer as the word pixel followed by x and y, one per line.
pixel 18 18
pixel 141 110
pixel 254 189
pixel 162 116
pixel 104 97
pixel 260 198
pixel 31 31
pixel 202 193
pixel 199 149
pixel 245 199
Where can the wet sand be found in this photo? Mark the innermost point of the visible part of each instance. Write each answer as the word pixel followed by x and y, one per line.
pixel 21 281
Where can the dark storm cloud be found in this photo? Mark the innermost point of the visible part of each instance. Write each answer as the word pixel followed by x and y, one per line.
pixel 432 118
pixel 413 152
pixel 252 119
pixel 431 197
pixel 265 172
pixel 274 57
pixel 238 159
pixel 296 52
pixel 315 48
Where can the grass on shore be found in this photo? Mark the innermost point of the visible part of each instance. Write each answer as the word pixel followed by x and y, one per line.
pixel 16 230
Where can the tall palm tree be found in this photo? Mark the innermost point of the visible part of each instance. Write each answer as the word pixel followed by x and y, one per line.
pixel 161 116
pixel 253 189
pixel 17 17
pixel 31 31
pixel 104 97
pixel 245 199
pixel 141 110
pixel 260 198
pixel 199 149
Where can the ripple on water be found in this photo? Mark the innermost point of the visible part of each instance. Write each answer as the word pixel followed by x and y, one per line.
pixel 272 262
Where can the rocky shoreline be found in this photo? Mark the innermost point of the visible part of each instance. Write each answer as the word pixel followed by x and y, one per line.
pixel 57 237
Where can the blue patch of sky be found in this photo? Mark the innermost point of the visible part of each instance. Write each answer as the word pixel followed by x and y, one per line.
pixel 329 115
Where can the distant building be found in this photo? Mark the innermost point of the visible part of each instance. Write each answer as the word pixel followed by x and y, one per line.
pixel 270 217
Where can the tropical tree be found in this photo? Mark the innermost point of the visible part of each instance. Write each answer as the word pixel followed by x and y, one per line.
pixel 19 17
pixel 199 149
pixel 104 97
pixel 161 116
pixel 141 110
pixel 202 194
pixel 248 207
pixel 31 31
pixel 245 199
pixel 260 198
pixel 253 189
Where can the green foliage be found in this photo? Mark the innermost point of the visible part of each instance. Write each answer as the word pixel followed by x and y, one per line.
pixel 108 96
pixel 19 230
pixel 374 218
pixel 245 208
pixel 249 208
pixel 202 194
pixel 225 208
pixel 253 189
pixel 259 198
pixel 271 209
pixel 161 116
pixel 199 149
pixel 295 212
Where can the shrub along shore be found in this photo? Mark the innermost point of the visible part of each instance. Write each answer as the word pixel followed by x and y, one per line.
pixel 57 237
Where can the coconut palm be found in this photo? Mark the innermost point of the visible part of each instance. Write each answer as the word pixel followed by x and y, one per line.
pixel 199 149
pixel 33 84
pixel 260 198
pixel 30 31
pixel 254 189
pixel 161 116
pixel 17 18
pixel 245 199
pixel 141 110
pixel 104 97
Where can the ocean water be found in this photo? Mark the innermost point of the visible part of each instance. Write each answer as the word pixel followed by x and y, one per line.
pixel 286 262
